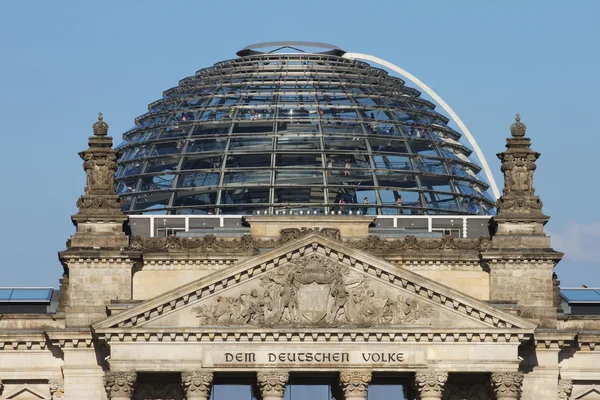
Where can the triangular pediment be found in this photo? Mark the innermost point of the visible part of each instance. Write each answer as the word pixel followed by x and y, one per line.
pixel 314 282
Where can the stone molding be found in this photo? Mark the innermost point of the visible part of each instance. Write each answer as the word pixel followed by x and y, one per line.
pixel 553 340
pixel 430 384
pixel 371 243
pixel 588 342
pixel 565 387
pixel 197 384
pixel 272 383
pixel 375 269
pixel 316 335
pixel 120 384
pixel 354 383
pixel 186 265
pixel 23 342
pixel 507 385
pixel 57 388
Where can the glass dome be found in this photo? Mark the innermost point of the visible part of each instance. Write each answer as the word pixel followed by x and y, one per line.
pixel 296 130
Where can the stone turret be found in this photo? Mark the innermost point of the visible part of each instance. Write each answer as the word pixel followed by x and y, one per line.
pixel 521 260
pixel 98 263
pixel 100 220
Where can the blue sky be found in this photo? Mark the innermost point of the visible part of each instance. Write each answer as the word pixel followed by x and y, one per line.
pixel 62 62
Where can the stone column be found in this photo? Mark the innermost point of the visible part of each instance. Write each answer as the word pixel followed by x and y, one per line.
pixel 57 388
pixel 507 385
pixel 430 384
pixel 120 385
pixel 355 384
pixel 272 384
pixel 564 389
pixel 197 384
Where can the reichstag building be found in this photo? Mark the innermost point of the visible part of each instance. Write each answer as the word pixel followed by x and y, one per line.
pixel 296 223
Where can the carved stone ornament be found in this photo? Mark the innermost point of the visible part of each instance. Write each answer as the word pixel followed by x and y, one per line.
pixel 120 384
pixel 518 198
pixel 354 384
pixel 57 389
pixel 375 243
pixel 507 385
pixel 272 383
pixel 564 389
pixel 314 291
pixel 197 384
pixel 289 234
pixel 100 165
pixel 430 384
pixel 63 293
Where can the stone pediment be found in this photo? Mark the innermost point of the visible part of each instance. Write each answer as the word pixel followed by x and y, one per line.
pixel 313 282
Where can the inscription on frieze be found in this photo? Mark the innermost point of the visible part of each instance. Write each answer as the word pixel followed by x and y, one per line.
pixel 314 291
pixel 313 358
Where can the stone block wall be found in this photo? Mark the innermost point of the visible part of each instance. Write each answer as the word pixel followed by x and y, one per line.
pixel 92 285
pixel 529 283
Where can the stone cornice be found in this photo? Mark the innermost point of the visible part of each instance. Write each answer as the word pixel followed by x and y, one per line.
pixel 78 339
pixel 589 341
pixel 375 268
pixel 22 340
pixel 554 340
pixel 338 335
pixel 521 255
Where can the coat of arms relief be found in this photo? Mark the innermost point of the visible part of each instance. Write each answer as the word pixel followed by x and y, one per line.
pixel 315 291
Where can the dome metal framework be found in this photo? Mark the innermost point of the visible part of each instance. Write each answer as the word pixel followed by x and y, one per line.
pixel 296 130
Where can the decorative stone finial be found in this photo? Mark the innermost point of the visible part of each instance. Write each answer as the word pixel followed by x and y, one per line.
pixel 517 129
pixel 100 127
pixel 518 203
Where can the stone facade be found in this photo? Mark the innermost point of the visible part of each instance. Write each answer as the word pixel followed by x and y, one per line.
pixel 165 318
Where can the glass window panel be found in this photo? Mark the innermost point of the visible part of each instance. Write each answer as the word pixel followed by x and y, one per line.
pixel 299 195
pixel 344 143
pixel 158 182
pixel 126 186
pixel 254 126
pixel 392 162
pixel 340 128
pixel 201 162
pixel 211 129
pixel 197 146
pixel 151 200
pixel 5 294
pixel 251 143
pixel 298 177
pixel 245 196
pixel 299 160
pixel 197 179
pixel 126 202
pixel 396 179
pixel 184 198
pixel 166 148
pixel 387 145
pixel 162 164
pixel 298 143
pixel 133 168
pixel 249 160
pixel 239 178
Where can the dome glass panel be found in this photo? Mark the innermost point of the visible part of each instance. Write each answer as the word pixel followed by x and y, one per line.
pixel 302 131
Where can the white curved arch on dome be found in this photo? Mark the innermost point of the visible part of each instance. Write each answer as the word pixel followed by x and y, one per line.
pixel 445 106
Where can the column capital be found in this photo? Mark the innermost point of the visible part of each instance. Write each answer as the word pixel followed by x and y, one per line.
pixel 272 383
pixel 430 384
pixel 565 387
pixel 355 383
pixel 507 385
pixel 197 384
pixel 57 388
pixel 120 384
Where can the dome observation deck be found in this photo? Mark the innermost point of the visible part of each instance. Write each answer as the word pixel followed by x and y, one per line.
pixel 296 129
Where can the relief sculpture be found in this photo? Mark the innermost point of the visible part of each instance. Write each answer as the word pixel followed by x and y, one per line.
pixel 314 291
